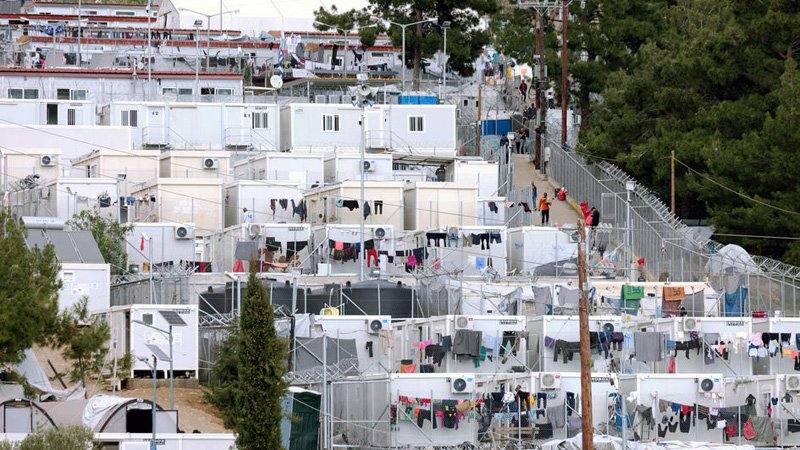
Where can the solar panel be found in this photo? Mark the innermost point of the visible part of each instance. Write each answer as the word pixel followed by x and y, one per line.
pixel 173 318
pixel 36 238
pixel 87 247
pixel 65 250
pixel 157 351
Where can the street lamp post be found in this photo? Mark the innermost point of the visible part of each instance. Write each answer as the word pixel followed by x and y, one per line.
pixel 445 26
pixel 629 187
pixel 197 25
pixel 120 178
pixel 152 367
pixel 208 32
pixel 168 333
pixel 403 26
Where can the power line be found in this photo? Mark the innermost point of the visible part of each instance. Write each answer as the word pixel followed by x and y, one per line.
pixel 736 192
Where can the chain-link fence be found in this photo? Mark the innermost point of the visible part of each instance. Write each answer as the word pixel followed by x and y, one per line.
pixel 662 245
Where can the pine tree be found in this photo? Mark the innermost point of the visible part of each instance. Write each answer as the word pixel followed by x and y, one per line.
pixel 29 286
pixel 82 340
pixel 225 375
pixel 465 40
pixel 262 366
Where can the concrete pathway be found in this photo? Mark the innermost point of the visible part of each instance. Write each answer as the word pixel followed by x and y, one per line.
pixel 560 212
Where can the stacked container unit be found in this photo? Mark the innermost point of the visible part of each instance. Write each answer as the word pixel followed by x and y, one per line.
pixel 268 201
pixel 303 168
pixel 566 329
pixel 328 263
pixel 541 250
pixel 373 356
pixel 733 330
pixel 494 329
pixel 474 250
pixel 288 244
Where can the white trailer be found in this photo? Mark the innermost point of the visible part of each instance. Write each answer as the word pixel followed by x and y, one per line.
pixel 780 364
pixel 279 240
pixel 492 211
pixel 706 389
pixel 475 250
pixel 326 236
pixel 361 410
pixel 130 334
pixel 708 328
pixel 540 250
pixel 566 328
pixel 304 168
pixel 484 174
pixel 268 201
pixel 495 329
pixel 343 166
pixel 164 243
pixel 432 204
pixel 373 358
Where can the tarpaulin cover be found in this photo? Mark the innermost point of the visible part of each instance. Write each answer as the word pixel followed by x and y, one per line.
pixel 694 304
pixel 632 292
pixel 97 408
pixel 735 302
pixel 674 293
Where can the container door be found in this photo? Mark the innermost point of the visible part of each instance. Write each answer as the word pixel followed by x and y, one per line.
pixel 239 121
pixel 375 133
pixel 155 131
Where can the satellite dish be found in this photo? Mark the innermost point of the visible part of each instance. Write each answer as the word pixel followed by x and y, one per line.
pixel 276 81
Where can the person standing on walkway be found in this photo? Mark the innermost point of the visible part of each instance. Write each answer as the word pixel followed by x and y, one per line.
pixel 534 196
pixel 441 172
pixel 544 206
pixel 523 89
pixel 594 216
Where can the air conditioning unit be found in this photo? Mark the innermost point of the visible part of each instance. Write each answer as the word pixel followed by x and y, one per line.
pixel 574 237
pixel 183 232
pixel 374 326
pixel 254 230
pixel 708 385
pixel 793 382
pixel 334 98
pixel 210 163
pixel 452 230
pixel 346 99
pixel 462 385
pixel 549 381
pixel 464 323
pixel 48 160
pixel 369 166
pixel 691 324
pixel 320 98
pixel 608 327
pixel 380 233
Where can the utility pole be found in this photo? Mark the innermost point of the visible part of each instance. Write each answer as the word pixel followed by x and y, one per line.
pixel 480 84
pixel 586 356
pixel 672 182
pixel 539 110
pixel 564 20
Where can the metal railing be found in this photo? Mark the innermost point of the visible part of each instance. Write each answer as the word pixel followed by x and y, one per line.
pixel 666 244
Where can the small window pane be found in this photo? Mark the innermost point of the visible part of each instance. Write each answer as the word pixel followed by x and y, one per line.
pixel 77 94
pixel 15 93
pixel 185 91
pixel 224 91
pixel 31 93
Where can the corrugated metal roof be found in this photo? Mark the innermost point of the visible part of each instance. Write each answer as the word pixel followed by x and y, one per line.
pixel 70 246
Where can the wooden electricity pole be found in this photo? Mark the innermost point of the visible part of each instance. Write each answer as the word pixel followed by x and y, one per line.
pixel 480 124
pixel 672 182
pixel 586 355
pixel 539 129
pixel 564 80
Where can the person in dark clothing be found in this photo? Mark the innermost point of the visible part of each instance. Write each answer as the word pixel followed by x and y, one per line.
pixel 594 214
pixel 440 173
pixel 523 89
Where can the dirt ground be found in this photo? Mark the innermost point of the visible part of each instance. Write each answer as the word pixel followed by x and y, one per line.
pixel 194 413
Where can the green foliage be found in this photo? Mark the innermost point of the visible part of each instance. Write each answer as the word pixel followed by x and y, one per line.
pixel 29 286
pixel 109 234
pixel 65 438
pixel 225 373
pixel 717 85
pixel 82 340
pixel 261 367
pixel 348 20
pixel 464 40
